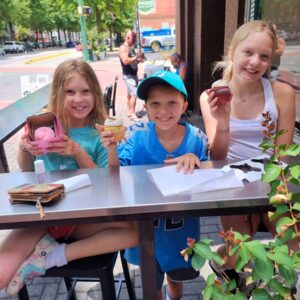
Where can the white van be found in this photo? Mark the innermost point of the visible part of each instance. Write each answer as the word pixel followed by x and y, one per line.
pixel 13 47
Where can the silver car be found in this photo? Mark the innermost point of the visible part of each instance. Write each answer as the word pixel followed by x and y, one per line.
pixel 13 47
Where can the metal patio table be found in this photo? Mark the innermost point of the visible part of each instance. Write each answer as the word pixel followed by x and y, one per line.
pixel 127 193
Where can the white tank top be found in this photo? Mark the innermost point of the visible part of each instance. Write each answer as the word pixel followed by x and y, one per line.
pixel 246 135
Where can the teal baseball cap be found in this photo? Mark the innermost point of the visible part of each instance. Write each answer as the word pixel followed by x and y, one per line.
pixel 164 77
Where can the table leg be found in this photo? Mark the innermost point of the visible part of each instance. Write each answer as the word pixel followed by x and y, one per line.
pixel 148 274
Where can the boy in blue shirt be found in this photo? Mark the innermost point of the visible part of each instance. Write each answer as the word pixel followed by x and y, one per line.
pixel 163 140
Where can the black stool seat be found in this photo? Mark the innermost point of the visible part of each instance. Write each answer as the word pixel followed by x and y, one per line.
pixel 95 268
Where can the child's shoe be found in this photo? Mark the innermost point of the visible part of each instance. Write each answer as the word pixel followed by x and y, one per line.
pixel 33 266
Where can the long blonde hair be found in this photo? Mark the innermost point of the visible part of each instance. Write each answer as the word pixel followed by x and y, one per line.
pixel 239 36
pixel 62 76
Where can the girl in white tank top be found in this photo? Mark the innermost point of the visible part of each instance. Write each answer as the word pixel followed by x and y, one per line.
pixel 234 129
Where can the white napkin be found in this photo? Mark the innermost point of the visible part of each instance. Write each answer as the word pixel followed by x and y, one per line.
pixel 75 182
pixel 170 182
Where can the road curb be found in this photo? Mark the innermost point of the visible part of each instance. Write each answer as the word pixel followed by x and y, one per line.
pixel 46 57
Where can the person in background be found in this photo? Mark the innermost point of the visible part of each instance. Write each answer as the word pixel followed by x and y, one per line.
pixel 234 128
pixel 77 101
pixel 129 62
pixel 179 65
pixel 163 140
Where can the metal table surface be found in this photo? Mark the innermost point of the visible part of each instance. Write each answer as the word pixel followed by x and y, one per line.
pixel 127 193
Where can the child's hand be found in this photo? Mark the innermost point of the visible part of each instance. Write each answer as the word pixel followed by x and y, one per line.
pixel 64 147
pixel 187 161
pixel 26 146
pixel 219 110
pixel 107 138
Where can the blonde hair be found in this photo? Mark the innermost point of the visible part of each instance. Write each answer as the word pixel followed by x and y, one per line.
pixel 62 76
pixel 239 36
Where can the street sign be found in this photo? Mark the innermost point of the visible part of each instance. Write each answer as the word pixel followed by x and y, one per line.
pixel 147 6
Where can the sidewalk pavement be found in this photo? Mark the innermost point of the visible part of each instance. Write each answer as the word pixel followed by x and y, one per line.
pixel 54 288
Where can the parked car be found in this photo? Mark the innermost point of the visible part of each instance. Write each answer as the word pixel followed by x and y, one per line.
pixel 13 47
pixel 28 46
pixel 2 51
pixel 158 39
pixel 71 44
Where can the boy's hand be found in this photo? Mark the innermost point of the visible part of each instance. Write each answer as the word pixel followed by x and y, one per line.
pixel 107 138
pixel 187 161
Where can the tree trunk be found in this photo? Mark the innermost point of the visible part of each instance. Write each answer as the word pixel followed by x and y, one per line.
pixel 65 35
pixel 11 31
pixel 59 40
pixel 98 19
pixel 111 38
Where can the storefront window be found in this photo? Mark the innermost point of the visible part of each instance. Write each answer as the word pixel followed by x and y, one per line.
pixel 286 16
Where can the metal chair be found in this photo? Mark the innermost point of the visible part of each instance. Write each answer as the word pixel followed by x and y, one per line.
pixel 109 97
pixel 95 268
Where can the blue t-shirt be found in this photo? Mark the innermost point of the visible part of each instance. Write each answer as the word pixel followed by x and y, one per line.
pixel 89 139
pixel 143 147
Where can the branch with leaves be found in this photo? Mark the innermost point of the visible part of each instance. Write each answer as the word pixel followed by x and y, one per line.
pixel 269 268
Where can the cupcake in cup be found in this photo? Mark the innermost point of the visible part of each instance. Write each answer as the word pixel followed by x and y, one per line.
pixel 115 125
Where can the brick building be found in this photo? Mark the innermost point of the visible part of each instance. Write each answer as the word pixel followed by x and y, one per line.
pixel 156 14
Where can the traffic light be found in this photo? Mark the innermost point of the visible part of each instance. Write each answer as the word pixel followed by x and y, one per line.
pixel 85 10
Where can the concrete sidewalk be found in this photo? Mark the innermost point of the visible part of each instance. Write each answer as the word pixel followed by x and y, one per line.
pixel 54 288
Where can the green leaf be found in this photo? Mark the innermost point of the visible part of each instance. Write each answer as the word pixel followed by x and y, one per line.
pixel 292 150
pixel 296 260
pixel 274 184
pixel 279 288
pixel 240 264
pixel 295 172
pixel 283 223
pixel 264 146
pixel 296 206
pixel 231 285
pixel 287 273
pixel 257 249
pixel 271 173
pixel 264 269
pixel 217 293
pixel 296 197
pixel 260 294
pixel 234 249
pixel 239 296
pixel 288 235
pixel 217 259
pixel 280 258
pixel 280 209
pixel 244 253
pixel 278 297
pixel 207 241
pixel 207 293
pixel 203 250
pixel 197 261
pixel 210 279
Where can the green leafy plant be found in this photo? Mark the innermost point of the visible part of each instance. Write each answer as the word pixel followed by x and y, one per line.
pixel 270 268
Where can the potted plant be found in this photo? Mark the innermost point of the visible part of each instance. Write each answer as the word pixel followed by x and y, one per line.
pixel 270 268
pixel 100 51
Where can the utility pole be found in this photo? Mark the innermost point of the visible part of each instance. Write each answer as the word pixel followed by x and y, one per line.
pixel 83 31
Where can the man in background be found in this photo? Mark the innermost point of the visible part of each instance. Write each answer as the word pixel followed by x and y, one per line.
pixel 129 62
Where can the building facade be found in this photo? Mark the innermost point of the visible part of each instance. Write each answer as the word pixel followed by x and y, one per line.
pixel 157 14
